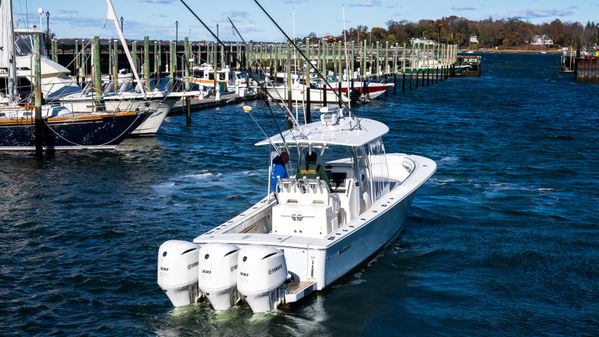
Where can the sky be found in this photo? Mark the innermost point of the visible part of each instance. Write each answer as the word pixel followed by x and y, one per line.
pixel 157 18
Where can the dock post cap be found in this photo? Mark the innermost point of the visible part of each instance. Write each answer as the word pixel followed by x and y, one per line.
pixel 247 109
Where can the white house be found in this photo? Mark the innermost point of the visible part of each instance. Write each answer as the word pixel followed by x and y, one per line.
pixel 473 39
pixel 425 41
pixel 541 40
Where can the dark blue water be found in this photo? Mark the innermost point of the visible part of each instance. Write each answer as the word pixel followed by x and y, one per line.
pixel 502 241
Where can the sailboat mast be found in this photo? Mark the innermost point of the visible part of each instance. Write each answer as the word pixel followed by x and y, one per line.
pixel 111 15
pixel 7 43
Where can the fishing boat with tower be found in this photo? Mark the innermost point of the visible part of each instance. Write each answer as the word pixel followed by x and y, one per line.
pixel 341 202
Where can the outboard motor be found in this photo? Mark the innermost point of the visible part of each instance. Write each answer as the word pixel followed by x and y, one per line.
pixel 262 271
pixel 178 271
pixel 218 274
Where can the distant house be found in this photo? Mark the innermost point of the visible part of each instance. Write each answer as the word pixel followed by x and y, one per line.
pixel 473 39
pixel 425 41
pixel 541 40
pixel 329 38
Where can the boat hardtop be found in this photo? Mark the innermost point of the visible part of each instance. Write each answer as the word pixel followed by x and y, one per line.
pixel 332 130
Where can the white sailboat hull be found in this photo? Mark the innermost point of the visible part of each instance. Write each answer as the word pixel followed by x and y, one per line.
pixel 154 102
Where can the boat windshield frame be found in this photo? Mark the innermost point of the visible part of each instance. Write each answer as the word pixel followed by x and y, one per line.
pixel 24 39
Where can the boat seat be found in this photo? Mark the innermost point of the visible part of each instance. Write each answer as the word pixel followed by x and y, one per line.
pixel 306 208
pixel 303 192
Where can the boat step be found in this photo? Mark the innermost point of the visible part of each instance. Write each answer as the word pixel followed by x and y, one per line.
pixel 295 291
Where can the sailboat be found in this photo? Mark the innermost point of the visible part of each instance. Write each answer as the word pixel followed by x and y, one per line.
pixel 159 102
pixel 58 128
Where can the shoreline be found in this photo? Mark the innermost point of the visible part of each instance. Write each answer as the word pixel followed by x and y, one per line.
pixel 513 51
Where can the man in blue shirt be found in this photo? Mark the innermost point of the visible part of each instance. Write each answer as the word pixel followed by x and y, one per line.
pixel 279 170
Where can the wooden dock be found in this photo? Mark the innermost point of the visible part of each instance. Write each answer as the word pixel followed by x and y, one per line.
pixel 408 67
pixel 210 102
pixel 587 70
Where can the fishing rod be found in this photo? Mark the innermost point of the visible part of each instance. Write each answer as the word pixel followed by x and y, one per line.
pixel 239 61
pixel 295 120
pixel 262 69
pixel 304 56
pixel 259 65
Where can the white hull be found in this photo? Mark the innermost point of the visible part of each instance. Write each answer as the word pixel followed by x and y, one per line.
pixel 128 102
pixel 298 94
pixel 56 80
pixel 325 260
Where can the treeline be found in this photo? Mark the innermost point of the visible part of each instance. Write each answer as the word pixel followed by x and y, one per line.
pixel 490 33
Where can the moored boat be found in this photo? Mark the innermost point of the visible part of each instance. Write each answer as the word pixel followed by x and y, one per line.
pixel 62 130
pixel 51 128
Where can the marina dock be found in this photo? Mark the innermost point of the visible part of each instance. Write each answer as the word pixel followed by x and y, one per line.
pixel 404 67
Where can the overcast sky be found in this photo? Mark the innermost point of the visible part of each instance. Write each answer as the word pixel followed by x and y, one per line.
pixel 156 18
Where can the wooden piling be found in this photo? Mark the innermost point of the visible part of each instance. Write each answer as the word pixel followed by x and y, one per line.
pixel 187 111
pixel 134 56
pixel 110 59
pixel 172 64
pixel 115 65
pixel 186 61
pixel 156 63
pixel 83 68
pixel 96 70
pixel 147 61
pixel 54 50
pixel 39 123
pixel 76 61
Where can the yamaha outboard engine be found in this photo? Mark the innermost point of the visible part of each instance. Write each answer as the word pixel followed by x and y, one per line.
pixel 178 271
pixel 218 274
pixel 262 272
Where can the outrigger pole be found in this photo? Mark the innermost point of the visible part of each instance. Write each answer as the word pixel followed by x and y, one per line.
pixel 218 40
pixel 304 56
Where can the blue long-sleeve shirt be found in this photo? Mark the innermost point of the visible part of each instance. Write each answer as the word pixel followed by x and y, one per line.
pixel 278 170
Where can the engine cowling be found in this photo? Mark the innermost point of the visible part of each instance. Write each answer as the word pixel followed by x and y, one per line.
pixel 218 274
pixel 178 271
pixel 262 271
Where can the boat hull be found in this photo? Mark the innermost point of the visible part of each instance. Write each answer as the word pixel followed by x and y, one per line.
pixel 156 104
pixel 325 260
pixel 298 94
pixel 90 131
